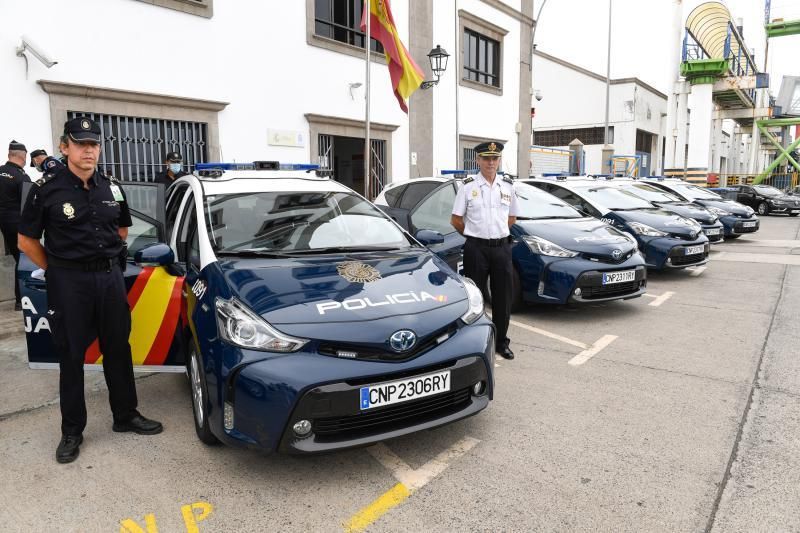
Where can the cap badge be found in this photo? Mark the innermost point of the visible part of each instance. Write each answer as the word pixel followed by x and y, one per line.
pixel 85 124
pixel 69 211
pixel 358 272
pixel 492 147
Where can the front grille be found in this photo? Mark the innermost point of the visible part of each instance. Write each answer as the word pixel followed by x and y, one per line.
pixel 687 259
pixel 739 228
pixel 609 291
pixel 385 419
pixel 372 353
pixel 607 258
pixel 715 238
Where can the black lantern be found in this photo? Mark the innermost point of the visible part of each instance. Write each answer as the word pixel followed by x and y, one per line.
pixel 438 58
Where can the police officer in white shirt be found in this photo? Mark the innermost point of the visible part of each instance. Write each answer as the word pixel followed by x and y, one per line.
pixel 484 210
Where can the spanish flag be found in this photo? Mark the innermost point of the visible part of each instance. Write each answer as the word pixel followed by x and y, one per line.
pixel 406 75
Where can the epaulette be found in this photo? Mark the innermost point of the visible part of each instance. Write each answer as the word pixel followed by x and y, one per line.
pixel 507 179
pixel 47 176
pixel 468 180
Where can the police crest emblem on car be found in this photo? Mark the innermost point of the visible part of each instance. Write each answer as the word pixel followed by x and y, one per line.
pixel 402 340
pixel 358 272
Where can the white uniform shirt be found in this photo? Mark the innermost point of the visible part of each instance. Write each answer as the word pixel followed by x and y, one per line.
pixel 485 207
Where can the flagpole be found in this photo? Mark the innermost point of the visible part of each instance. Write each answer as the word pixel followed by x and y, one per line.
pixel 367 147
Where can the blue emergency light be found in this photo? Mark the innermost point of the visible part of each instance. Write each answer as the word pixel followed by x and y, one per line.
pixel 256 165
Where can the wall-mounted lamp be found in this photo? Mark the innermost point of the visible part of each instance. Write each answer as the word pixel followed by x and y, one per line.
pixel 354 85
pixel 438 58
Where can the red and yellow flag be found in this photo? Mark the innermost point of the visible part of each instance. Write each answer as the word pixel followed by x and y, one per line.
pixel 406 75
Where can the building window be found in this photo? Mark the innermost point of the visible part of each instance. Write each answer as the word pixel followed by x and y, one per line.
pixel 340 20
pixel 564 137
pixel 203 8
pixel 481 59
pixel 481 44
pixel 134 148
pixel 644 141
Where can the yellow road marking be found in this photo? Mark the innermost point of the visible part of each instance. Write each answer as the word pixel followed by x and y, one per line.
pixel 366 516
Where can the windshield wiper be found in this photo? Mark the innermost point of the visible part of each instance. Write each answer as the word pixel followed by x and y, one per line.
pixel 253 252
pixel 344 249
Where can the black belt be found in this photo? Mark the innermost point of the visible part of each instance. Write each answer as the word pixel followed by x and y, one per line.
pixel 95 265
pixel 492 243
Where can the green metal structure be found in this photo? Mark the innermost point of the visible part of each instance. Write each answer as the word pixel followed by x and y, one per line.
pixel 785 154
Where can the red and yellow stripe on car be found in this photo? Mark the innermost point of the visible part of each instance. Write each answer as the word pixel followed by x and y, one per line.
pixel 155 301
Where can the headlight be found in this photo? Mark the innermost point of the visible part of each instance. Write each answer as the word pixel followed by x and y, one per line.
pixel 644 229
pixel 475 299
pixel 717 211
pixel 544 247
pixel 241 327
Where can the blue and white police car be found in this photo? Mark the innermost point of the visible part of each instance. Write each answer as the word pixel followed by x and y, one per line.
pixel 666 240
pixel 306 319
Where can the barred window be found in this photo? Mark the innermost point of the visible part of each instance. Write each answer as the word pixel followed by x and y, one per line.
pixel 564 137
pixel 340 20
pixel 134 148
pixel 481 58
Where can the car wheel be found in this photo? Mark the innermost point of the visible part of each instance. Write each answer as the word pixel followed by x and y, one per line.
pixel 732 237
pixel 197 382
pixel 516 291
pixel 793 214
pixel 763 208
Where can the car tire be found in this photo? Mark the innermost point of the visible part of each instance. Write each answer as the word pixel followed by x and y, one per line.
pixel 516 291
pixel 732 237
pixel 762 208
pixel 199 394
pixel 793 214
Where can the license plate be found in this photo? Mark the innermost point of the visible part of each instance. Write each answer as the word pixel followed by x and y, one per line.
pixel 404 390
pixel 692 250
pixel 712 231
pixel 609 278
pixel 748 224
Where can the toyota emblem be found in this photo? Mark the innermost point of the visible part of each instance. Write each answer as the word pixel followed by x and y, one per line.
pixel 616 254
pixel 403 340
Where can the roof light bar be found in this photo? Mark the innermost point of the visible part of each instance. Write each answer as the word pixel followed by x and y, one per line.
pixel 256 165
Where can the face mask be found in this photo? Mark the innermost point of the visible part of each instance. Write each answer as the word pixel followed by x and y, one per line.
pixel 175 167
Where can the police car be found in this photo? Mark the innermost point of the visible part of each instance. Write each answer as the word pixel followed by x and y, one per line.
pixel 306 319
pixel 559 255
pixel 666 240
pixel 737 219
pixel 709 221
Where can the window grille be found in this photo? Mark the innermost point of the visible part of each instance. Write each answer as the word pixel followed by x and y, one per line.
pixel 481 59
pixel 134 148
pixel 564 137
pixel 340 20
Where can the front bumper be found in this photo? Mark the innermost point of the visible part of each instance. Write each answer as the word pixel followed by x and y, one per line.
pixel 736 225
pixel 715 232
pixel 592 288
pixel 663 253
pixel 270 395
pixel 783 209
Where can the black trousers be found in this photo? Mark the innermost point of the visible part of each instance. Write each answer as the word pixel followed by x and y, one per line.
pixel 482 261
pixel 85 306
pixel 9 229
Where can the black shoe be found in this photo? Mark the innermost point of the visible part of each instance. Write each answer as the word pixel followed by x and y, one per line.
pixel 140 425
pixel 69 448
pixel 17 306
pixel 505 352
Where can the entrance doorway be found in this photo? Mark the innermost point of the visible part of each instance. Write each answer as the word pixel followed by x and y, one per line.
pixel 344 157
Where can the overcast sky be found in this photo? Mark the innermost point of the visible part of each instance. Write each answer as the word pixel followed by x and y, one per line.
pixel 576 31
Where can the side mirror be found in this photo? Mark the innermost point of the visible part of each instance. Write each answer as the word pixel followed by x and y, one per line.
pixel 158 254
pixel 429 237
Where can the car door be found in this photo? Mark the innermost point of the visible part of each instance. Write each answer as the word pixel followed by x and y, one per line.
pixel 407 200
pixel 433 213
pixel 747 196
pixel 153 295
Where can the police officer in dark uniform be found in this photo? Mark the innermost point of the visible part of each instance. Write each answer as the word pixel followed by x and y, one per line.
pixel 84 217
pixel 174 169
pixel 12 176
pixel 484 210
pixel 45 163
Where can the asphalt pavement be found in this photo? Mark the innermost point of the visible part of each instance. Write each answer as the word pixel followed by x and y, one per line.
pixel 677 411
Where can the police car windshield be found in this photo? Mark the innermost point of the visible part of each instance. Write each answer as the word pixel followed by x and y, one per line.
pixel 768 190
pixel 535 203
pixel 611 198
pixel 650 193
pixel 697 193
pixel 288 222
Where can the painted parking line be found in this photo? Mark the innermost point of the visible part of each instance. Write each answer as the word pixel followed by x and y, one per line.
pixel 408 479
pixel 593 350
pixel 555 336
pixel 698 270
pixel 659 299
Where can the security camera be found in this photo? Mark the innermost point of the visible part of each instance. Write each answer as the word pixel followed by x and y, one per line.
pixel 29 46
pixel 538 95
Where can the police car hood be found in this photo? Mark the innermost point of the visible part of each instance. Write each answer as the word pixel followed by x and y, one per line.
pixel 585 235
pixel 690 210
pixel 660 219
pixel 731 206
pixel 321 296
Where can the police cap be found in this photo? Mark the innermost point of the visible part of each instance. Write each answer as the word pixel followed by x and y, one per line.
pixel 82 129
pixel 489 149
pixel 37 153
pixel 16 146
pixel 174 156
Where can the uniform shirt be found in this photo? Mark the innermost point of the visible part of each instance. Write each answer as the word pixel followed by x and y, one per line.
pixel 12 176
pixel 163 177
pixel 79 224
pixel 485 207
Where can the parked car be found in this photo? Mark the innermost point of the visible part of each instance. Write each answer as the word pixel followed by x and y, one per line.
pixel 559 255
pixel 793 191
pixel 709 221
pixel 666 240
pixel 765 199
pixel 306 319
pixel 736 218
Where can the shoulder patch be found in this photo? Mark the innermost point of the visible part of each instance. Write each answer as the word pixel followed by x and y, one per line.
pixel 508 180
pixel 47 176
pixel 469 180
